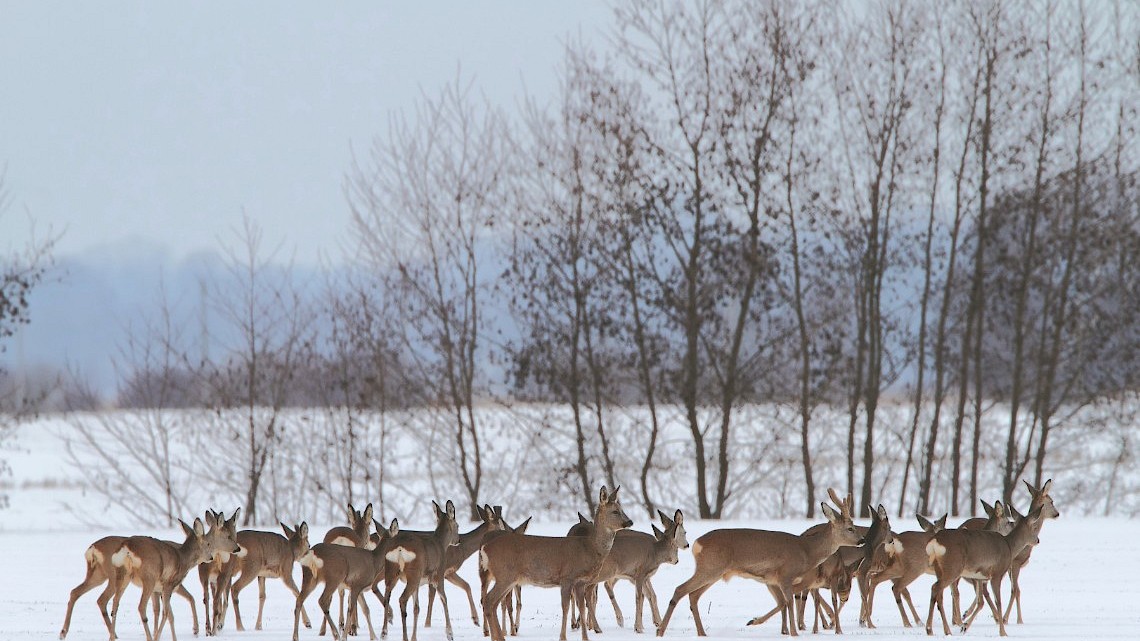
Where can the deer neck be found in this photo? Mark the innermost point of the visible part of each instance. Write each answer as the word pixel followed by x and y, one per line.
pixel 819 545
pixel 188 554
pixel 1022 535
pixel 468 541
pixel 602 539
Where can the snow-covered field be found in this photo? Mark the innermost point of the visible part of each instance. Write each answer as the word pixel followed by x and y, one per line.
pixel 1081 584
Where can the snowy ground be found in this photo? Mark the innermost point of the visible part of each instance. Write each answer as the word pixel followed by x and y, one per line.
pixel 1081 583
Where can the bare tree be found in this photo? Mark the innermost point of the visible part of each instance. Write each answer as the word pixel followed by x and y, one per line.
pixel 22 269
pixel 423 210
pixel 873 82
pixel 266 325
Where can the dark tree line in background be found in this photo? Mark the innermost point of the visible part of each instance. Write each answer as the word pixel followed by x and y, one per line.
pixel 925 206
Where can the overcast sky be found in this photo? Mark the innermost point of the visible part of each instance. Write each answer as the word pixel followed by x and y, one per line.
pixel 156 124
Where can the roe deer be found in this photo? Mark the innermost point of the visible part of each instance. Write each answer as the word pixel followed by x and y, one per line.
pixel 267 555
pixel 418 556
pixel 636 556
pixel 469 543
pixel 1039 499
pixel 979 555
pixel 512 603
pixel 901 563
pixel 214 575
pixel 564 562
pixel 356 535
pixel 158 567
pixel 777 559
pixel 341 567
pixel 100 571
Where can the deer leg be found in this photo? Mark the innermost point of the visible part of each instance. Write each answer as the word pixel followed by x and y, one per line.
pixel 936 599
pixel 516 612
pixel 260 601
pixel 910 602
pixel 89 582
pixel 446 613
pixel 565 610
pixel 956 603
pixel 404 596
pixel 1014 592
pixel 244 579
pixel 307 585
pixel 838 605
pixel 897 589
pixel 101 601
pixel 651 595
pixel 591 599
pixel 325 601
pixel 144 601
pixel 686 588
pixel 491 600
pixel 287 579
pixel 638 604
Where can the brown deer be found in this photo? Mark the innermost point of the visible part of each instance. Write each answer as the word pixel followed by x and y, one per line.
pixel 158 567
pixel 356 535
pixel 267 555
pixel 1039 500
pixel 512 602
pixel 100 571
pixel 341 567
pixel 213 573
pixel 900 563
pixel 774 558
pixel 636 556
pixel 980 555
pixel 544 561
pixel 416 557
pixel 469 543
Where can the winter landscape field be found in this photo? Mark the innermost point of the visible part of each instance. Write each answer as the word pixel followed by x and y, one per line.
pixel 1080 584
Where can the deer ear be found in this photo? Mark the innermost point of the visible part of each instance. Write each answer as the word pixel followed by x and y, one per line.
pixel 521 529
pixel 499 511
pixel 210 519
pixel 199 528
pixel 1048 485
pixel 286 530
pixel 351 512
pixel 450 509
pixel 367 516
pixel 829 512
pixel 657 534
pixel 613 495
pixel 186 528
pixel 232 521
pixel 678 518
pixel 394 528
pixel 926 525
pixel 438 509
pixel 303 530
pixel 883 516
pixel 582 518
pixel 604 495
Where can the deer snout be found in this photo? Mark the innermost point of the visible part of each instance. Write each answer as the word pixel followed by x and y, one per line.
pixel 627 522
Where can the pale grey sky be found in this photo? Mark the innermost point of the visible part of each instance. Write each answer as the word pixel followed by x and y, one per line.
pixel 157 124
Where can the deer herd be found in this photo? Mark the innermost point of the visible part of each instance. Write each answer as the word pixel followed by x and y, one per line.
pixel 359 557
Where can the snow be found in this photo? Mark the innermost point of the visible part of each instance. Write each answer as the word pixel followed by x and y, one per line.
pixel 1080 583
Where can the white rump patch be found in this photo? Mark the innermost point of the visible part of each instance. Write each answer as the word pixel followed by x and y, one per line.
pixel 482 559
pixel 93 556
pixel 242 552
pixel 935 550
pixel 894 548
pixel 343 540
pixel 400 556
pixel 311 561
pixel 125 559
pixel 696 548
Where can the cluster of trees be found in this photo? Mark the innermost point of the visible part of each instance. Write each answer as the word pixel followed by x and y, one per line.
pixel 927 203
